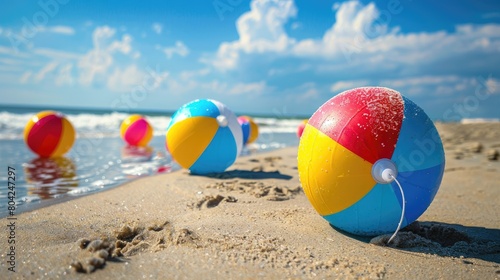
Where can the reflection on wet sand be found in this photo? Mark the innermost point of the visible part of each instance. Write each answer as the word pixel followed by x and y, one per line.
pixel 139 161
pixel 134 153
pixel 49 177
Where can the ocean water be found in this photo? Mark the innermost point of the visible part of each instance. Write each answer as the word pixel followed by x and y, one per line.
pixel 99 158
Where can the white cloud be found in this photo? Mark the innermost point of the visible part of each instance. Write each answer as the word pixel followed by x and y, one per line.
pixel 179 87
pixel 12 52
pixel 100 58
pixel 186 75
pixel 101 35
pixel 65 77
pixel 47 69
pixel 418 81
pixel 98 65
pixel 357 38
pixel 186 84
pixel 92 63
pixel 296 25
pixel 260 30
pixel 11 69
pixel 248 88
pixel 9 61
pixel 122 46
pixel 59 29
pixel 442 85
pixel 154 78
pixel 492 86
pixel 157 27
pixel 303 93
pixel 353 22
pixel 345 85
pixel 56 54
pixel 179 49
pixel 434 85
pixel 123 80
pixel 309 94
pixel 128 78
pixel 25 77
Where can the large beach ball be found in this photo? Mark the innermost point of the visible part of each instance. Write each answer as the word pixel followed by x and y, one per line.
pixel 204 136
pixel 49 134
pixel 357 147
pixel 136 131
pixel 250 129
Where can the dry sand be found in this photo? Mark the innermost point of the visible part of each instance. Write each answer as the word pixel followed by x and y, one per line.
pixel 254 221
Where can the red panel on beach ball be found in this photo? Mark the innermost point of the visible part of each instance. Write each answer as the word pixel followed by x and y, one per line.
pixel 49 134
pixel 366 121
pixel 136 131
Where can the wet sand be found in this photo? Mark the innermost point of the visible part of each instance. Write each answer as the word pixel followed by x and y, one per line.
pixel 254 221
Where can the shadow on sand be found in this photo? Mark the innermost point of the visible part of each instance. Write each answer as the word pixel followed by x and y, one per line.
pixel 247 174
pixel 443 239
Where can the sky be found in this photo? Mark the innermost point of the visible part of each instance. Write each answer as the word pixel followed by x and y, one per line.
pixel 265 57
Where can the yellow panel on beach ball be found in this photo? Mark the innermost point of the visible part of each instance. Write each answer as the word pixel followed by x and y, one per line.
pixel 332 186
pixel 187 144
pixel 66 141
pixel 254 132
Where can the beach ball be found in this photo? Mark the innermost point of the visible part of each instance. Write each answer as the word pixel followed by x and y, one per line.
pixel 356 149
pixel 204 136
pixel 49 134
pixel 136 131
pixel 300 128
pixel 250 129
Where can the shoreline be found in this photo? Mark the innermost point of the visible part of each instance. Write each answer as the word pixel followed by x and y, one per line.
pixel 254 221
pixel 38 204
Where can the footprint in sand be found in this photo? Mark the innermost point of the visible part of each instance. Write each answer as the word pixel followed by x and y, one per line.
pixel 96 253
pixel 130 240
pixel 211 201
pixel 257 189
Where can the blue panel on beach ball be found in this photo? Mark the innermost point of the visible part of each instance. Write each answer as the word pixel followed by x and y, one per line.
pixel 368 216
pixel 204 136
pixel 223 148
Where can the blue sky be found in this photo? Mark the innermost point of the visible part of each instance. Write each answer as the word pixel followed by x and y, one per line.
pixel 262 56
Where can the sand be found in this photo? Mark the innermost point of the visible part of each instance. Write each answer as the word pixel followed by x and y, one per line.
pixel 254 221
